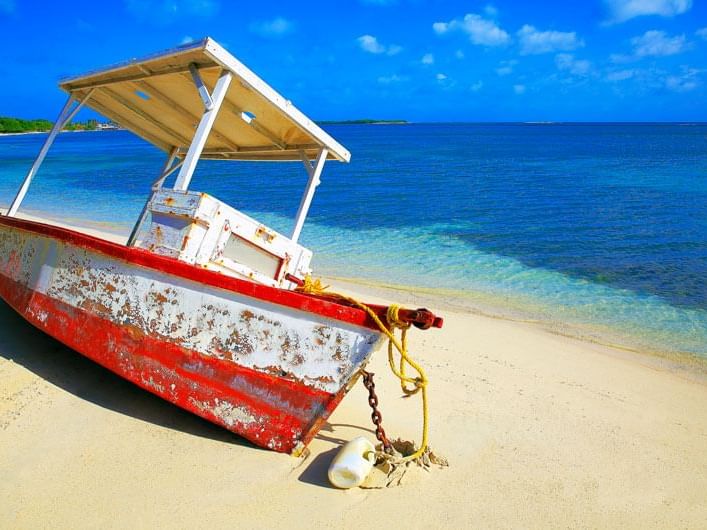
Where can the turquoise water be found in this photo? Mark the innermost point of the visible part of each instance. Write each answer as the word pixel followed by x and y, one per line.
pixel 598 230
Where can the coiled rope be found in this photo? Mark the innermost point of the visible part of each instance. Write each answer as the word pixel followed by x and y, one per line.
pixel 419 383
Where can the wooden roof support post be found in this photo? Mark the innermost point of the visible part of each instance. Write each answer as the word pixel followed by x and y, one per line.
pixel 203 130
pixel 65 116
pixel 168 168
pixel 314 171
pixel 201 87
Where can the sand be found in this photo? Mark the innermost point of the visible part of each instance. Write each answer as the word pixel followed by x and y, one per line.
pixel 540 430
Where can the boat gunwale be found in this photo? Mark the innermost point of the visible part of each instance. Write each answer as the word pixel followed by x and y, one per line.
pixel 309 303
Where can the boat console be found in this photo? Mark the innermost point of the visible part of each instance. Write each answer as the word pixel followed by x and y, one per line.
pixel 201 230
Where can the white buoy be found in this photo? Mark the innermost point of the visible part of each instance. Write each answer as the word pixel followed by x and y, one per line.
pixel 352 464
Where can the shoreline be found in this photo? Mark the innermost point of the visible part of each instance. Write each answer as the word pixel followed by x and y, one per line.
pixel 457 301
pixel 687 362
pixel 689 365
pixel 541 431
pixel 60 132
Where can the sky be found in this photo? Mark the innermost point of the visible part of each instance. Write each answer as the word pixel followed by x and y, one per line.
pixel 419 60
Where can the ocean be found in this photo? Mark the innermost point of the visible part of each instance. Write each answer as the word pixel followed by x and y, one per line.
pixel 595 230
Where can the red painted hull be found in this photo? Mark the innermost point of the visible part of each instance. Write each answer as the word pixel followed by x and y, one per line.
pixel 271 407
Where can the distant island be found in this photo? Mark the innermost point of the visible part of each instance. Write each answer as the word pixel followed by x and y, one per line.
pixel 363 122
pixel 9 125
pixel 18 125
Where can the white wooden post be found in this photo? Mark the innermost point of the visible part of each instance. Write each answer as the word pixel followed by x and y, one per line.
pixel 202 132
pixel 65 116
pixel 201 87
pixel 314 172
pixel 166 170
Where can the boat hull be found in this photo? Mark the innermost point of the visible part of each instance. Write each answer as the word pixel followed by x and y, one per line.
pixel 267 364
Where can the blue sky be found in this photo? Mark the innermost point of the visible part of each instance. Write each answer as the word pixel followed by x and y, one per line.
pixel 421 60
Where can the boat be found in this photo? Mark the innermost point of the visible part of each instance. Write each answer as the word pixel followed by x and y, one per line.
pixel 203 305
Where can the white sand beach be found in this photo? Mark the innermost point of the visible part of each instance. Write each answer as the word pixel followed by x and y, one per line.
pixel 540 430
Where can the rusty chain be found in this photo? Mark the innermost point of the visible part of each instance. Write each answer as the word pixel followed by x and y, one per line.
pixel 376 416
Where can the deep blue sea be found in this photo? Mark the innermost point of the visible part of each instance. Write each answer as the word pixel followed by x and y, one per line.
pixel 599 230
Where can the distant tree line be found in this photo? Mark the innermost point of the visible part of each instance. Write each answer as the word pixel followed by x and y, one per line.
pixel 18 125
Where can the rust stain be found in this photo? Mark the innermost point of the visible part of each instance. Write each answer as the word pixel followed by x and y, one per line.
pixel 312 353
pixel 95 307
pixel 298 359
pixel 265 234
pixel 160 298
pixel 338 354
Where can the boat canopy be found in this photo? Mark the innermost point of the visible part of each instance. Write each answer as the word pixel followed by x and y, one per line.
pixel 197 101
pixel 162 98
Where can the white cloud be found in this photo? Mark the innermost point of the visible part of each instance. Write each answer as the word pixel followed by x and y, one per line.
pixel 655 43
pixel 685 82
pixel 441 77
pixel 477 86
pixel 275 28
pixel 652 43
pixel 621 58
pixel 533 41
pixel 370 44
pixel 623 10
pixel 519 89
pixel 657 80
pixel 7 6
pixel 490 11
pixel 459 54
pixel 390 79
pixel 481 31
pixel 702 33
pixel 506 67
pixel 680 84
pixel 428 58
pixel 161 12
pixel 187 39
pixel 620 75
pixel 567 63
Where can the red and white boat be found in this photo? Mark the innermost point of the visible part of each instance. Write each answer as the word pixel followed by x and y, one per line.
pixel 201 305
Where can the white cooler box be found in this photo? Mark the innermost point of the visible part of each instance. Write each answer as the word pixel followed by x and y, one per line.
pixel 199 229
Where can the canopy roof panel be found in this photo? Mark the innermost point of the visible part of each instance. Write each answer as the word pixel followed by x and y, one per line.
pixel 156 98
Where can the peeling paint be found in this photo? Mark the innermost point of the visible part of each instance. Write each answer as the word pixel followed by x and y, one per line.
pixel 229 413
pixel 305 347
pixel 270 372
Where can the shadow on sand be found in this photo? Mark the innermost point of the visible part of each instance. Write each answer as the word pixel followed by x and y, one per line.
pixel 27 346
pixel 316 471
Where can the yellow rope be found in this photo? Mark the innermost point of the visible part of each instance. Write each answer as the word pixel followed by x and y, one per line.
pixel 419 383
